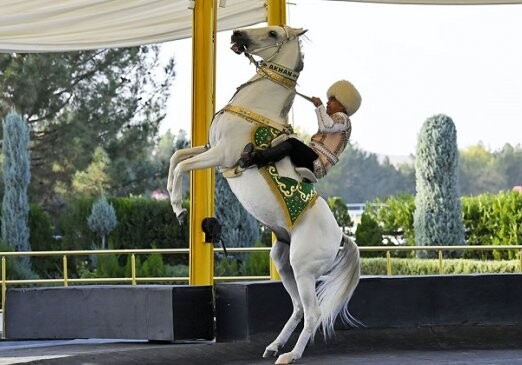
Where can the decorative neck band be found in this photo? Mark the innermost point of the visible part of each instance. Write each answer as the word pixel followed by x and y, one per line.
pixel 279 74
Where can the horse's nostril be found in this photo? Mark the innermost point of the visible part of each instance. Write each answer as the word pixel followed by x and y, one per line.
pixel 236 33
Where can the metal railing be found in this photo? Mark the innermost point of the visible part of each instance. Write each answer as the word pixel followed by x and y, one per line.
pixel 134 279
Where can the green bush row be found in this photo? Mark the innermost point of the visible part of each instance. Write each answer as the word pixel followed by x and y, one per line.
pixel 404 266
pixel 489 219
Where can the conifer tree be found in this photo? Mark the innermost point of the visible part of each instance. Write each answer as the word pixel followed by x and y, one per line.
pixel 239 228
pixel 437 216
pixel 17 174
pixel 102 219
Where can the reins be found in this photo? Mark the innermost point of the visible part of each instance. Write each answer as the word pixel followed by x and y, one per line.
pixel 279 74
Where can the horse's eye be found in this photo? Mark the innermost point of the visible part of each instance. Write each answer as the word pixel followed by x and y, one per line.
pixel 272 34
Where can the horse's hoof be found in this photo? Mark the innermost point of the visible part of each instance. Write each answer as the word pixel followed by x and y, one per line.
pixel 182 216
pixel 287 358
pixel 270 353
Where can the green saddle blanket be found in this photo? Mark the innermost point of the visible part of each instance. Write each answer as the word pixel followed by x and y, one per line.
pixel 293 196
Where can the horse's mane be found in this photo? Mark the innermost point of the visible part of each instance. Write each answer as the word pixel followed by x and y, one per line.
pixel 298 67
pixel 300 61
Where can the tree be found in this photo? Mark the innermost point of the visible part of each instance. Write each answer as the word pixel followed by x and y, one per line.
pixel 479 171
pixel 508 162
pixel 340 212
pixel 17 174
pixel 94 180
pixel 240 229
pixel 369 233
pixel 438 216
pixel 102 219
pixel 360 176
pixel 77 101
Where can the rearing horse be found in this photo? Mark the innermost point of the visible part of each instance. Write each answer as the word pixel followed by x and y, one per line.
pixel 307 247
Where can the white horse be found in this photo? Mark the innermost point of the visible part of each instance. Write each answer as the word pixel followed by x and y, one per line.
pixel 306 248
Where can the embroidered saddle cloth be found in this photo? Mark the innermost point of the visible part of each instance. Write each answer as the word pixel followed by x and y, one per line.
pixel 293 196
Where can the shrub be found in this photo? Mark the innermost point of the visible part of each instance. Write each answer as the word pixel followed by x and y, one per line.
pixel 368 233
pixel 438 214
pixel 257 263
pixel 401 266
pixel 102 219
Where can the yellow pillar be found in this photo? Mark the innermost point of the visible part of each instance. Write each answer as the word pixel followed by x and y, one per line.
pixel 203 106
pixel 276 12
pixel 275 15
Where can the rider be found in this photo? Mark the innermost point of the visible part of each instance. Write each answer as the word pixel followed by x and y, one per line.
pixel 314 161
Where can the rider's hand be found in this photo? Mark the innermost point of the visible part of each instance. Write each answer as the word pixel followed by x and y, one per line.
pixel 316 101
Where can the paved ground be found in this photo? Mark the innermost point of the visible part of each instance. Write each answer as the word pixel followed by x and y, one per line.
pixel 373 348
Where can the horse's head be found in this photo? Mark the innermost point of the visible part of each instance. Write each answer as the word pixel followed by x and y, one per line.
pixel 267 42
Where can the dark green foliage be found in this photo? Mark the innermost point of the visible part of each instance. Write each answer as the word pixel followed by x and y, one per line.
pixel 493 220
pixel 360 177
pixel 41 239
pixel 377 266
pixel 15 269
pixel 17 174
pixel 438 214
pixel 251 264
pixel 77 101
pixel 230 266
pixel 340 212
pixel 102 219
pixel 239 228
pixel 143 223
pixel 394 214
pixel 257 263
pixel 490 219
pixel 368 233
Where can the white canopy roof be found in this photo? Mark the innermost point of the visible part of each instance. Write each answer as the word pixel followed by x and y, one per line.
pixel 66 25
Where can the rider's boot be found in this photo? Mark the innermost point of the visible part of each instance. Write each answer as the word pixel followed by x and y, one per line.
pixel 306 174
pixel 250 156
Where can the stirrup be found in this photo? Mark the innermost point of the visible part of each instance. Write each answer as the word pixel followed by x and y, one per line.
pixel 306 174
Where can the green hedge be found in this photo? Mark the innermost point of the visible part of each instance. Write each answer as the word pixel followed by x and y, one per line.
pixel 401 266
pixel 142 223
pixel 490 219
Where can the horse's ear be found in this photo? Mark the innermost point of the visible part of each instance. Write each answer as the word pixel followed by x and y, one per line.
pixel 301 31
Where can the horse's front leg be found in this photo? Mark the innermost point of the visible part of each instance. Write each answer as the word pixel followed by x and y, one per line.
pixel 175 195
pixel 195 159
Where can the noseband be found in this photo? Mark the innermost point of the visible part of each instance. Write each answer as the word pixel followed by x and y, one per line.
pixel 277 73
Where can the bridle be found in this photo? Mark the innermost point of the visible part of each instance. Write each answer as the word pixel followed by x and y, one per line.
pixel 273 71
pixel 279 45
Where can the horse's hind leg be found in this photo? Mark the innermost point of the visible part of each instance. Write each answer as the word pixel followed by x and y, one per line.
pixel 280 254
pixel 312 314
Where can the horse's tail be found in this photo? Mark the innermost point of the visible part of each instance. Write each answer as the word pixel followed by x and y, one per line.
pixel 337 287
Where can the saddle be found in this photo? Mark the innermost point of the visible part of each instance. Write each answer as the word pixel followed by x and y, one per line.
pixel 306 174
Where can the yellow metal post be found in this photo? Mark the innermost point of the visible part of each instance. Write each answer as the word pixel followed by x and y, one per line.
pixel 276 12
pixel 4 291
pixel 203 106
pixel 133 269
pixel 65 273
pixel 388 263
pixel 275 15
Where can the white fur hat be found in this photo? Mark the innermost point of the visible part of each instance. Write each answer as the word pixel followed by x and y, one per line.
pixel 346 94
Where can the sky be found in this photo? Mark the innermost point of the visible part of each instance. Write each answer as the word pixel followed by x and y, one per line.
pixel 409 62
